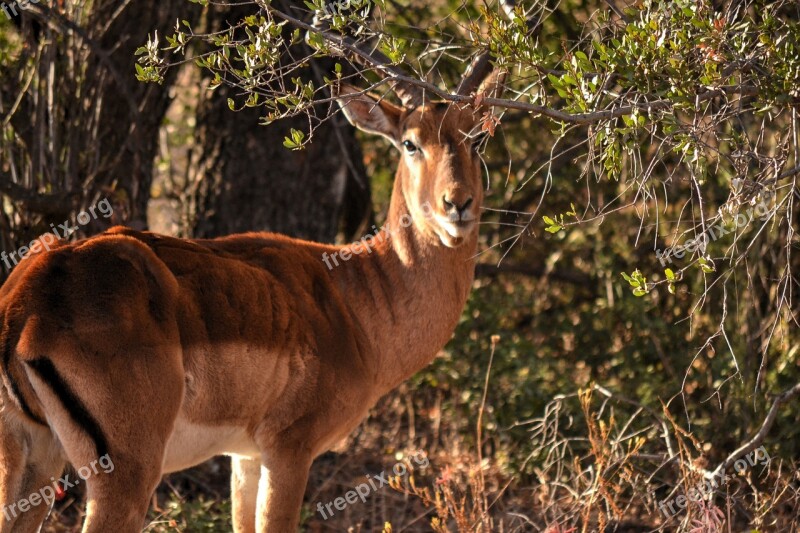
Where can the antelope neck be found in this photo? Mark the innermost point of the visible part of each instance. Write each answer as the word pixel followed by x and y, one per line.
pixel 407 294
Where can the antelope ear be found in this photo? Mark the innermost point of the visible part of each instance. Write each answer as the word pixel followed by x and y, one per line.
pixel 370 113
pixel 494 84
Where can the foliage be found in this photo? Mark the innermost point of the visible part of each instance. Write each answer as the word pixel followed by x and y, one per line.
pixel 200 515
pixel 642 211
pixel 671 125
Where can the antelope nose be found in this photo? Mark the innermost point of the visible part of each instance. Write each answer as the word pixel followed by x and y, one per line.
pixel 454 211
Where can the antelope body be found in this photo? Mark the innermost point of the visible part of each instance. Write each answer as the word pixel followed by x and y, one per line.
pixel 160 353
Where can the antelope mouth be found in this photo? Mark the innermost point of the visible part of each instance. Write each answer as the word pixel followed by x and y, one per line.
pixel 453 234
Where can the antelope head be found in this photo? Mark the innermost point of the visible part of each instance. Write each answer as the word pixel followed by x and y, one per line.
pixel 439 173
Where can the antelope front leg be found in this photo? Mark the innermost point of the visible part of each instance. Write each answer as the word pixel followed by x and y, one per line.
pixel 280 493
pixel 245 477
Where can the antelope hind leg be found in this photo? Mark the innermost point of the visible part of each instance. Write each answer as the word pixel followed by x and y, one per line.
pixel 113 423
pixel 119 493
pixel 29 461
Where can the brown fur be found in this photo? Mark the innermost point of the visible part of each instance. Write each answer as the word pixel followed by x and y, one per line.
pixel 163 352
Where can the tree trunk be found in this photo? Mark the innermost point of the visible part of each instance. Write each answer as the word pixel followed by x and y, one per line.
pixel 250 181
pixel 84 128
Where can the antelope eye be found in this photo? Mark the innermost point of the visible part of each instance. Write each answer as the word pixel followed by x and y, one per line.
pixel 410 147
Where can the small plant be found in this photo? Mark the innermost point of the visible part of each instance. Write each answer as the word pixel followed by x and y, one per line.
pixel 637 281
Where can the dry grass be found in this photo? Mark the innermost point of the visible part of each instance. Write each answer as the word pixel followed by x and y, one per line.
pixel 586 468
pixel 611 479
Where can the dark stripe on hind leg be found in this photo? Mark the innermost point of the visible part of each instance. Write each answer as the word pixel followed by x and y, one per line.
pixel 9 336
pixel 72 404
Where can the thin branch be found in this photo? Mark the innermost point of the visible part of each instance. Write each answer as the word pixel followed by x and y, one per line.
pixel 491 270
pixel 617 10
pixel 393 74
pixel 59 204
pixel 62 23
pixel 756 441
pixel 346 47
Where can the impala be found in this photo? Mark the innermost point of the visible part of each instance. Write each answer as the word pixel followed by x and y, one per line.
pixel 159 353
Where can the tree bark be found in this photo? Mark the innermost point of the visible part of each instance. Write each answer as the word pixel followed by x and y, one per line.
pixel 250 181
pixel 84 127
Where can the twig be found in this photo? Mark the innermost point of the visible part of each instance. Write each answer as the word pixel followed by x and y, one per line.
pixel 616 9
pixel 479 429
pixel 394 75
pixel 58 204
pixel 65 24
pixel 756 441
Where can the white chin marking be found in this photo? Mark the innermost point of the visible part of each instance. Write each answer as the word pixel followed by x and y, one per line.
pixel 452 236
pixel 450 241
pixel 458 232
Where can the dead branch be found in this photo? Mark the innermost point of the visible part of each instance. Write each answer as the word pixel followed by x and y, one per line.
pixel 756 441
pixel 57 204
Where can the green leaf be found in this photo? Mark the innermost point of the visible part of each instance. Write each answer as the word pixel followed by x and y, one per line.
pixel 557 83
pixel 296 140
pixel 707 265
pixel 572 211
pixel 632 281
